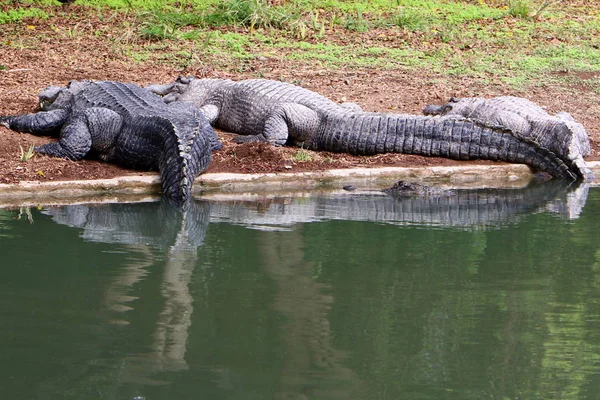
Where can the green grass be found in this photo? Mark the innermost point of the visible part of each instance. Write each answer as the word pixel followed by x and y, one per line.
pixel 520 8
pixel 515 41
pixel 19 14
pixel 28 154
pixel 302 155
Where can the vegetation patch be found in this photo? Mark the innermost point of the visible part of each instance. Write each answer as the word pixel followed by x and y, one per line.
pixel 19 14
pixel 515 41
pixel 28 154
pixel 302 155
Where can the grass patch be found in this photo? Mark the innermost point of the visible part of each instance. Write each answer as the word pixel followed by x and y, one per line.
pixel 528 8
pixel 19 14
pixel 302 155
pixel 250 13
pixel 28 154
pixel 512 40
pixel 520 8
pixel 354 56
pixel 561 59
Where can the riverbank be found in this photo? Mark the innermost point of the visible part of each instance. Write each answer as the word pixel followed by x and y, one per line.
pixel 146 186
pixel 487 51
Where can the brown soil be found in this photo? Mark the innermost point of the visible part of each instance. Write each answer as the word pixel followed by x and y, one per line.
pixel 60 59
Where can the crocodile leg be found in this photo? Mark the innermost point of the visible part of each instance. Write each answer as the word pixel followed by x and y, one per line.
pixel 41 123
pixel 211 112
pixel 289 122
pixel 92 129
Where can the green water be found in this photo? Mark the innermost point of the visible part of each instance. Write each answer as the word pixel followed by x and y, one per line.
pixel 489 295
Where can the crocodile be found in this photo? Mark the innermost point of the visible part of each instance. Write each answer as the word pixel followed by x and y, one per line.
pixel 284 114
pixel 406 189
pixel 559 133
pixel 125 124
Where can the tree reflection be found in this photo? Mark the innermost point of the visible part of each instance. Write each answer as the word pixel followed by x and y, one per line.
pixel 312 367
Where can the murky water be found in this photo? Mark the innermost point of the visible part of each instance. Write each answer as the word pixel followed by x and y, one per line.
pixel 482 295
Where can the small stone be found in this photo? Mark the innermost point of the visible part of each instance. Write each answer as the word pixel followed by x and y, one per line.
pixel 287 166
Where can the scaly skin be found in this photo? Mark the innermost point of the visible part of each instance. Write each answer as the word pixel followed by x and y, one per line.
pixel 123 124
pixel 406 189
pixel 559 133
pixel 285 114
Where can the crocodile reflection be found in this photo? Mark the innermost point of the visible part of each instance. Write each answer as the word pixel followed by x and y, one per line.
pixel 466 208
pixel 143 226
pixel 155 224
pixel 306 302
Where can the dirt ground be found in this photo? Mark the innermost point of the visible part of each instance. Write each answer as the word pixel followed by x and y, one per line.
pixel 60 59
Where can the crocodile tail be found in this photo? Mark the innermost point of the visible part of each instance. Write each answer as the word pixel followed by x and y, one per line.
pixel 449 137
pixel 185 155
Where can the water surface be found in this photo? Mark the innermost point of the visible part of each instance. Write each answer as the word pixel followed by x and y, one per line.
pixel 485 294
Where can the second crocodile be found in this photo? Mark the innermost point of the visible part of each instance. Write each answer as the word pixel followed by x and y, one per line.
pixel 285 114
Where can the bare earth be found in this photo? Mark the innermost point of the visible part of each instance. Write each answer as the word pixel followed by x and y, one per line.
pixel 62 59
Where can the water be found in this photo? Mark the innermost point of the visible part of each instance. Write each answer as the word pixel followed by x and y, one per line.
pixel 483 295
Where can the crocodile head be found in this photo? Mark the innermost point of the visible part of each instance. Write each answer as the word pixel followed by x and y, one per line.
pixel 433 109
pixel 407 189
pixel 49 97
pixel 60 97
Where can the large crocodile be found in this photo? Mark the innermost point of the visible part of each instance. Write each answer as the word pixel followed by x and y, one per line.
pixel 558 133
pixel 285 114
pixel 123 124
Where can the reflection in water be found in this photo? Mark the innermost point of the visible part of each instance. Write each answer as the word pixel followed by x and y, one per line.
pixel 144 226
pixel 467 208
pixel 305 303
pixel 318 360
pixel 151 224
pixel 570 203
